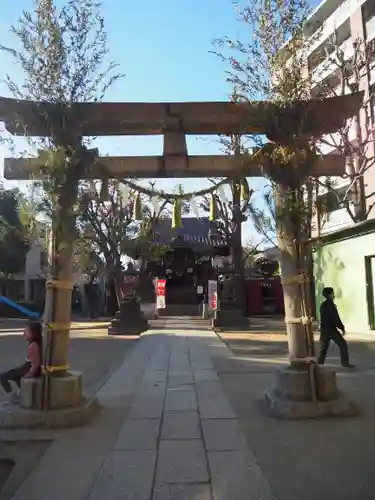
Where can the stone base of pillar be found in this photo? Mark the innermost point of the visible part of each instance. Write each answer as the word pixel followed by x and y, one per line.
pixel 292 397
pixel 148 310
pixel 65 391
pixel 130 320
pixel 230 318
pixel 67 406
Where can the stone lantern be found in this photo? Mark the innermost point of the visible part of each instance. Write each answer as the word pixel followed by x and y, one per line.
pixel 227 313
pixel 129 320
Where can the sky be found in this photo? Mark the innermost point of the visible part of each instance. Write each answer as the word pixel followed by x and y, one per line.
pixel 163 47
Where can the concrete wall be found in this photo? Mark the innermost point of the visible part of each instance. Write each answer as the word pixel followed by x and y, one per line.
pixel 341 264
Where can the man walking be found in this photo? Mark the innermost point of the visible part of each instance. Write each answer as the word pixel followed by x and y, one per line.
pixel 330 324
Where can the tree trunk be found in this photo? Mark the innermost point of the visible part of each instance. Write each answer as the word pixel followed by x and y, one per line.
pixel 59 293
pixel 290 261
pixel 308 248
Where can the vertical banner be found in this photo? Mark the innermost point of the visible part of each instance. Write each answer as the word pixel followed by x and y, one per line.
pixel 160 294
pixel 212 295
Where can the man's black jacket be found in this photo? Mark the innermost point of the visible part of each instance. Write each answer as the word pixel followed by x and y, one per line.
pixel 329 317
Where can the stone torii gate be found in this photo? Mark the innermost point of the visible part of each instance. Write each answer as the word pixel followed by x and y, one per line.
pixel 68 124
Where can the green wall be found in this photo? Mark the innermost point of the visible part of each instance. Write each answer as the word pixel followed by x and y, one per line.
pixel 341 264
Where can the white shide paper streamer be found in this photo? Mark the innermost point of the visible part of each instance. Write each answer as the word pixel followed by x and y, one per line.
pixel 194 208
pixel 155 205
pixel 124 190
pixel 223 197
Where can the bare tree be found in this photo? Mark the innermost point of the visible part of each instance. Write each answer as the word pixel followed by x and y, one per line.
pixel 228 221
pixel 272 65
pixel 109 225
pixel 263 216
pixel 225 223
pixel 62 55
pixel 348 67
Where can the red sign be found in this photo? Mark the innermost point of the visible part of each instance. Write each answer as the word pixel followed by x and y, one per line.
pixel 214 301
pixel 160 288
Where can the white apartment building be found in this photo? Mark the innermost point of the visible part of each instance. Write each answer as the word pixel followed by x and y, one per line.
pixel 344 22
pixel 32 280
pixel 36 265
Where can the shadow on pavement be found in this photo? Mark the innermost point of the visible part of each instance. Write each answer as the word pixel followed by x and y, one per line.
pixel 328 458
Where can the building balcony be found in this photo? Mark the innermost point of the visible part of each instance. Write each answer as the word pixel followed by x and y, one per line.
pixel 341 14
pixel 339 219
pixel 328 66
pixel 335 140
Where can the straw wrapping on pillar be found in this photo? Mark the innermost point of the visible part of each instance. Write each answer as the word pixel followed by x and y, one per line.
pixel 213 208
pixel 137 209
pixel 245 190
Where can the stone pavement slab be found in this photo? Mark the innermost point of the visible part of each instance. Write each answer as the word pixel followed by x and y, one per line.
pixel 181 425
pixel 183 492
pixel 223 435
pixel 179 379
pixel 140 434
pixel 182 462
pixel 147 407
pixel 125 475
pixel 182 399
pixel 205 376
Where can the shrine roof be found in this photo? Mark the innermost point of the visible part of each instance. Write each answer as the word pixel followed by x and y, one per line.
pixel 198 234
pixel 317 116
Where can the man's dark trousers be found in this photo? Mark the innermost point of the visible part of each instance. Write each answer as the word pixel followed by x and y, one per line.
pixel 338 339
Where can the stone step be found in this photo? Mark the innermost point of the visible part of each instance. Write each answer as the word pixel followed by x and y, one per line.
pixel 180 310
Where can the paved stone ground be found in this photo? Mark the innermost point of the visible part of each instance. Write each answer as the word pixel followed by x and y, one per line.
pixel 315 459
pixel 167 432
pixel 182 419
pixel 91 350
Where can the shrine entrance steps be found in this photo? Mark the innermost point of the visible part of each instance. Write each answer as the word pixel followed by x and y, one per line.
pixel 172 310
pixel 180 323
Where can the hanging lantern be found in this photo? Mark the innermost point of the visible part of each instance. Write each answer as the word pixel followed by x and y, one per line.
pixel 104 190
pixel 213 208
pixel 137 208
pixel 245 190
pixel 176 215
